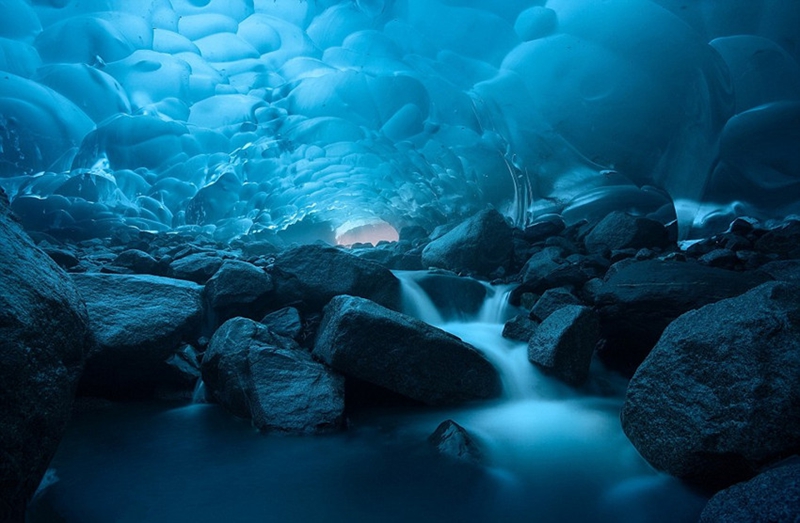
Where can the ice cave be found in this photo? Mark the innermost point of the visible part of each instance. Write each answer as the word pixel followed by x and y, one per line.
pixel 399 260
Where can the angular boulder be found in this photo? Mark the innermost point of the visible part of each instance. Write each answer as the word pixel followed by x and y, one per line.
pixel 44 335
pixel 563 344
pixel 717 398
pixel 551 301
pixel 772 496
pixel 619 230
pixel 198 267
pixel 364 340
pixel 285 322
pixel 238 289
pixel 308 276
pixel 478 246
pixel 637 303
pixel 258 375
pixel 139 322
pixel 452 440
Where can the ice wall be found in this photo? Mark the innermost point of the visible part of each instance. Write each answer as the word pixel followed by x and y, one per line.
pixel 257 116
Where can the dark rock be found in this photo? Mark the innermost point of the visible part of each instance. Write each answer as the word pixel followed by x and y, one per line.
pixel 734 242
pixel 239 289
pixel 548 269
pixel 392 350
pixel 645 254
pixel 285 322
pixel 722 258
pixel 136 262
pixel 139 322
pixel 621 254
pixel 717 398
pixel 772 496
pixel 185 365
pixel 544 229
pixel 640 300
pixel 479 246
pixel 453 296
pixel 563 344
pixel 310 275
pixel 551 301
pixel 413 233
pixel 742 226
pixel 620 230
pixel 452 440
pixel 198 267
pixel 64 259
pixel 44 335
pixel 258 375
pixel 520 328
pixel 784 270
pixel 783 240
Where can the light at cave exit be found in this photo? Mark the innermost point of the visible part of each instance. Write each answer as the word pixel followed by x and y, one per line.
pixel 248 116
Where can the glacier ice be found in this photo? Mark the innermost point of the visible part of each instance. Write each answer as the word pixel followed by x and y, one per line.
pixel 353 117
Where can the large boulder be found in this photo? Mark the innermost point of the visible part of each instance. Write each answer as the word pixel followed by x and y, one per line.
pixel 717 398
pixel 372 343
pixel 140 322
pixel 308 276
pixel 479 246
pixel 267 378
pixel 197 267
pixel 772 496
pixel 638 302
pixel 239 289
pixel 563 344
pixel 619 230
pixel 43 338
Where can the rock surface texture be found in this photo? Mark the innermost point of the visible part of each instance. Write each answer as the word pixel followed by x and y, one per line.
pixel 717 398
pixel 43 338
pixel 563 344
pixel 369 342
pixel 267 378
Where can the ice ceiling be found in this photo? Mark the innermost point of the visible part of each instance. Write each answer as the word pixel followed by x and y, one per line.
pixel 257 116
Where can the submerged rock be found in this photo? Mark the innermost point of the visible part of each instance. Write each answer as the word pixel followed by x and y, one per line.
pixel 717 398
pixel 308 276
pixel 43 337
pixel 772 496
pixel 638 302
pixel 372 343
pixel 452 440
pixel 238 289
pixel 479 246
pixel 139 322
pixel 563 344
pixel 267 378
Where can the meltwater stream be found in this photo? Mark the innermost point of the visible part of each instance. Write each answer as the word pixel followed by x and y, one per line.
pixel 552 454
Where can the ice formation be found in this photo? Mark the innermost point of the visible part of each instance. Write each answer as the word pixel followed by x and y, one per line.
pixel 329 116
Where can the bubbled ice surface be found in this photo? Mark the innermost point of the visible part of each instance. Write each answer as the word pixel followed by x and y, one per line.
pixel 240 116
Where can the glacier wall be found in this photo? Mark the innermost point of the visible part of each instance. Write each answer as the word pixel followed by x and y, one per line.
pixel 320 117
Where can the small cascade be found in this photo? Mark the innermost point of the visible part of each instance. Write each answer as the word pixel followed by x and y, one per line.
pixel 416 301
pixel 199 394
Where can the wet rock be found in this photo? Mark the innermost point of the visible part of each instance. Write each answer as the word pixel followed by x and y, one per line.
pixel 520 328
pixel 198 267
pixel 772 496
pixel 717 398
pixel 139 322
pixel 453 296
pixel 239 289
pixel 551 301
pixel 43 337
pixel 638 302
pixel 372 343
pixel 134 261
pixel 452 440
pixel 308 276
pixel 563 344
pixel 285 322
pixel 479 246
pixel 258 375
pixel 620 230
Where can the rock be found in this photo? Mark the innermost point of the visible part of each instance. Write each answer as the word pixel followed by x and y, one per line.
pixel 134 261
pixel 544 228
pixel 722 258
pixel 44 335
pixel 198 267
pixel 452 440
pixel 261 376
pixel 139 322
pixel 238 289
pixel 63 258
pixel 551 301
pixel 783 240
pixel 479 246
pixel 310 275
pixel 717 398
pixel 520 328
pixel 285 322
pixel 413 233
pixel 620 230
pixel 772 496
pixel 563 344
pixel 362 339
pixel 639 300
pixel 185 365
pixel 784 270
pixel 454 296
pixel 548 269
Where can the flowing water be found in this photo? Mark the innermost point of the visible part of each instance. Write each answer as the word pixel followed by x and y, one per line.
pixel 552 454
